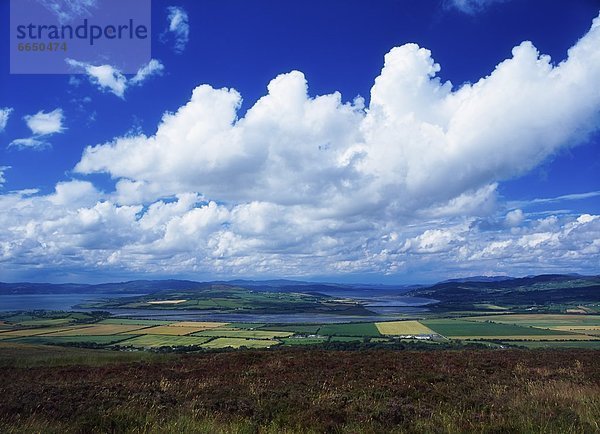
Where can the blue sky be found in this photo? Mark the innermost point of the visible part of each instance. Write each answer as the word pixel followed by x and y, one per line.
pixel 401 141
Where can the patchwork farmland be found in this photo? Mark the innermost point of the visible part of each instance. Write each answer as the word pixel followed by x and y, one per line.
pixel 534 330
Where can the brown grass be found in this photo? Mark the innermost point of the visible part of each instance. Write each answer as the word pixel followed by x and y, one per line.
pixel 303 390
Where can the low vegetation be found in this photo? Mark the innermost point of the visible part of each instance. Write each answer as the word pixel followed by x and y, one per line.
pixel 299 390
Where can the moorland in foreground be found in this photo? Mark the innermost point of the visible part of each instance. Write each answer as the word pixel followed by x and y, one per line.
pixel 70 390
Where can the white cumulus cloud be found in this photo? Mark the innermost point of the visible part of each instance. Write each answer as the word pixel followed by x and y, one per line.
pixel 420 144
pixel 514 218
pixel 4 115
pixel 42 126
pixel 108 78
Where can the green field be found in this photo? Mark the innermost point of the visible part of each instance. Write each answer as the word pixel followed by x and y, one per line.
pixel 349 329
pixel 255 334
pixel 99 330
pixel 43 322
pixel 346 339
pixel 583 327
pixel 303 341
pixel 45 317
pixel 220 343
pixel 57 340
pixel 592 345
pixel 31 332
pixel 154 341
pixel 204 325
pixel 544 320
pixel 307 329
pixel 245 325
pixel 173 330
pixel 460 328
pixel 142 322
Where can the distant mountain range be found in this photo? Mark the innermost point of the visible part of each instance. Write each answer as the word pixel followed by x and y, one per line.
pixel 479 289
pixel 533 290
pixel 152 286
pixel 479 279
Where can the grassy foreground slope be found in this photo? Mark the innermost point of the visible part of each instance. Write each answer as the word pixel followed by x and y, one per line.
pixel 307 391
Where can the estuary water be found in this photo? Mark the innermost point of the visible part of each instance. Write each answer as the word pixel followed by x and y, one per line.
pixel 9 302
pixel 386 308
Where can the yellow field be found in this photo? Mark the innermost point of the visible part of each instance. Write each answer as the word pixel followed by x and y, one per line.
pixel 167 302
pixel 237 343
pixel 97 330
pixel 490 306
pixel 30 332
pixel 577 311
pixel 558 319
pixel 589 332
pixel 174 330
pixel 586 330
pixel 204 325
pixel 403 328
pixel 154 341
pixel 572 337
pixel 238 333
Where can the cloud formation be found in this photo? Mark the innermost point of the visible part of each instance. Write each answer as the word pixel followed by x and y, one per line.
pixel 80 228
pixel 566 197
pixel 303 183
pixel 472 6
pixel 4 115
pixel 66 10
pixel 42 126
pixel 178 28
pixel 33 143
pixel 110 79
pixel 420 143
